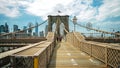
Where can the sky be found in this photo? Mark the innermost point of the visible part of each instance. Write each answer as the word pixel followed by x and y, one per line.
pixel 102 14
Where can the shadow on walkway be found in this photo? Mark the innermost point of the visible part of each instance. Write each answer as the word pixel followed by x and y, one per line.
pixel 53 59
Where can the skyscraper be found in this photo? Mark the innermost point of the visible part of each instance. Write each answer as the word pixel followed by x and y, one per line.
pixel 41 34
pixel 2 28
pixel 24 28
pixel 6 28
pixel 46 30
pixel 30 29
pixel 15 28
pixel 34 34
pixel 36 29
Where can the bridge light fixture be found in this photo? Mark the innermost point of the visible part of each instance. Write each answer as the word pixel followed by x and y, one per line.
pixel 74 22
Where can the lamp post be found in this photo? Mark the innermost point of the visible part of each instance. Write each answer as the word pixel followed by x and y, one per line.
pixel 75 22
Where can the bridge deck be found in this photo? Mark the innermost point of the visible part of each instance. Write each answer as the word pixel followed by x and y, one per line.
pixel 67 56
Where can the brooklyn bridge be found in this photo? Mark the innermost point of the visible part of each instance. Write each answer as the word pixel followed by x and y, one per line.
pixel 70 50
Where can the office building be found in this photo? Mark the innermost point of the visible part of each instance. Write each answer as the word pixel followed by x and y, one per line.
pixel 24 28
pixel 15 28
pixel 34 34
pixel 30 29
pixel 6 28
pixel 2 28
pixel 36 29
pixel 46 30
pixel 41 34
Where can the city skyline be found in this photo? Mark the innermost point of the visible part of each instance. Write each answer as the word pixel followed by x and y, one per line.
pixel 35 32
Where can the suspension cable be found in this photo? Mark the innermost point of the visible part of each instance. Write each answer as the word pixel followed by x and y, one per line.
pixel 97 29
pixel 64 25
pixel 24 29
pixel 56 26
pixel 66 30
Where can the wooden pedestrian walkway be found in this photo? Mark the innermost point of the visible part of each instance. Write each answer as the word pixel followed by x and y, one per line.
pixel 67 56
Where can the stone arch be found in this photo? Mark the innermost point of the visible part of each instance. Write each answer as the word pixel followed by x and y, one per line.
pixel 58 20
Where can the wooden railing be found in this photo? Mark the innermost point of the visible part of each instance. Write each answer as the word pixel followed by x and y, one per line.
pixel 107 53
pixel 38 58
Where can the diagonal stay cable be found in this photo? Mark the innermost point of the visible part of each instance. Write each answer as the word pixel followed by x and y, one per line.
pixel 24 29
pixel 97 29
pixel 66 30
pixel 64 25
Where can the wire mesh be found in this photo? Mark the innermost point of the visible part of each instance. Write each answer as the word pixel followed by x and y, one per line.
pixel 23 62
pixel 98 52
pixel 113 56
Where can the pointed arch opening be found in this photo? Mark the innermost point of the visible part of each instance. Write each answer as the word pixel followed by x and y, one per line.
pixel 54 27
pixel 62 26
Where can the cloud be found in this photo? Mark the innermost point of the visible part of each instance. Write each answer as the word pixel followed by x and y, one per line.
pixel 83 9
pixel 9 8
pixel 46 7
pixel 12 8
pixel 109 9
pixel 86 12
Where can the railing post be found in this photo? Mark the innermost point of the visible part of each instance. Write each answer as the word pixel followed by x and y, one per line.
pixel 106 56
pixel 91 50
pixel 73 39
pixel 35 62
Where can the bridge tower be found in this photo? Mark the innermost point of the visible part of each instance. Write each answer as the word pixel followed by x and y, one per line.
pixel 58 20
